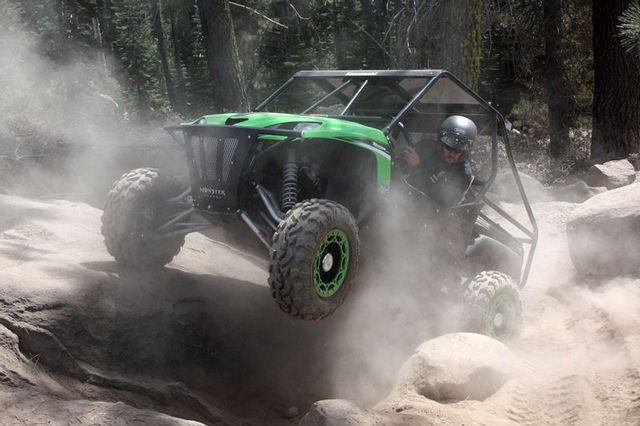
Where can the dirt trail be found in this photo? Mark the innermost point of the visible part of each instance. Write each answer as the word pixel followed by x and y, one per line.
pixel 83 342
pixel 579 349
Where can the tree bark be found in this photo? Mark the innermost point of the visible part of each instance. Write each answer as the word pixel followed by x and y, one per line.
pixel 555 81
pixel 156 24
pixel 104 18
pixel 221 49
pixel 404 53
pixel 95 10
pixel 616 97
pixel 177 62
pixel 447 35
pixel 62 27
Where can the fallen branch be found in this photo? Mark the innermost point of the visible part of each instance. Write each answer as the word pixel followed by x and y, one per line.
pixel 296 12
pixel 365 32
pixel 258 13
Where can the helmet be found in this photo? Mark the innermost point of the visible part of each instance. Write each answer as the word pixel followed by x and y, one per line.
pixel 458 133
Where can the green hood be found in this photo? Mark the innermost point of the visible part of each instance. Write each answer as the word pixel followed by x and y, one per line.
pixel 331 128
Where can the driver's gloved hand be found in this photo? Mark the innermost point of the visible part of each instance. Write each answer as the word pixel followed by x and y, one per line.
pixel 436 178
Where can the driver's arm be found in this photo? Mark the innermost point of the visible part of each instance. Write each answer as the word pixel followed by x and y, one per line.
pixel 411 156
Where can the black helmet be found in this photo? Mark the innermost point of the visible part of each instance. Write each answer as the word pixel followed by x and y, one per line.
pixel 458 133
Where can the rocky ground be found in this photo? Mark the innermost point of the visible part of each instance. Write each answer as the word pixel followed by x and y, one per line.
pixel 201 341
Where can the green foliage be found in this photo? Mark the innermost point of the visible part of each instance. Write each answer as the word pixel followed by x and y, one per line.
pixel 188 44
pixel 513 50
pixel 513 58
pixel 279 37
pixel 134 46
pixel 630 29
pixel 327 34
pixel 301 42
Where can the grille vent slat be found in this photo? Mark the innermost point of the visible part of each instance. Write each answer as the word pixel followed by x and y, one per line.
pixel 210 160
pixel 230 146
pixel 217 161
pixel 217 156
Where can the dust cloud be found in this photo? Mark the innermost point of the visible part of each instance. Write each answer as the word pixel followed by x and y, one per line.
pixel 64 133
pixel 408 290
pixel 579 345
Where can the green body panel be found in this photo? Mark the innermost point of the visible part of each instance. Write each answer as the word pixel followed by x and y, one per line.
pixel 365 137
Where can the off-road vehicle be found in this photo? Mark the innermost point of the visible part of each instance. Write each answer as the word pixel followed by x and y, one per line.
pixel 313 166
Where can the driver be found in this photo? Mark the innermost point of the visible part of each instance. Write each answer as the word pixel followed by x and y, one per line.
pixel 442 170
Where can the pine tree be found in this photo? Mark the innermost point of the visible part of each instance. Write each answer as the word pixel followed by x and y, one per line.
pixel 190 61
pixel 133 45
pixel 158 32
pixel 616 117
pixel 630 29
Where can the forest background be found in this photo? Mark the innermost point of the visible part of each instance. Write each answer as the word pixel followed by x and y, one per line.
pixel 566 73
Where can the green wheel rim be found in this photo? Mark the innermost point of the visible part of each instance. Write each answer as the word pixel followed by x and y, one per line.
pixel 331 263
pixel 501 317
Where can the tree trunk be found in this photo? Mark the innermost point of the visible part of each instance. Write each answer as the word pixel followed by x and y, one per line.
pixel 156 24
pixel 378 53
pixel 96 24
pixel 62 26
pixel 177 59
pixel 447 35
pixel 221 49
pixel 104 18
pixel 616 115
pixel 404 53
pixel 555 82
pixel 343 42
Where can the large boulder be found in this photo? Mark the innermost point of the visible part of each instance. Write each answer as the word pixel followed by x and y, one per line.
pixel 576 192
pixel 340 412
pixel 612 174
pixel 604 233
pixel 452 367
pixel 457 366
pixel 505 188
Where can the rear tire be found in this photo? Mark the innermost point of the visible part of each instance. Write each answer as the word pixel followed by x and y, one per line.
pixel 314 259
pixel 492 305
pixel 134 208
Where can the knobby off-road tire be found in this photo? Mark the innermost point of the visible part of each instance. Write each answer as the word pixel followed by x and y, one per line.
pixel 314 259
pixel 133 210
pixel 492 305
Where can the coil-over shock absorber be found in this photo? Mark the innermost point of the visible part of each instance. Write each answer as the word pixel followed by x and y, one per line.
pixel 289 181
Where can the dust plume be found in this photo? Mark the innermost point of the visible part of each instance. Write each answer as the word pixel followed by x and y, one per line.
pixel 407 292
pixel 578 348
pixel 64 132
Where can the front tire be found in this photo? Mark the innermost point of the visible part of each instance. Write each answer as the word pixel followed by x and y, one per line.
pixel 135 207
pixel 314 259
pixel 492 305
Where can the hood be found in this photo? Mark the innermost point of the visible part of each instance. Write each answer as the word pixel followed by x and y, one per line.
pixel 312 126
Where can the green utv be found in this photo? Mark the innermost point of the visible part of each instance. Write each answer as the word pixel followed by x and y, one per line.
pixel 316 168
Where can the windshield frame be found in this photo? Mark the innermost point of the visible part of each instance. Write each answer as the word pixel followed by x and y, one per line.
pixel 360 79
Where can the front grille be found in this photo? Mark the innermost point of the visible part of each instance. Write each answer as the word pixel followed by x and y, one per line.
pixel 217 156
pixel 214 158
